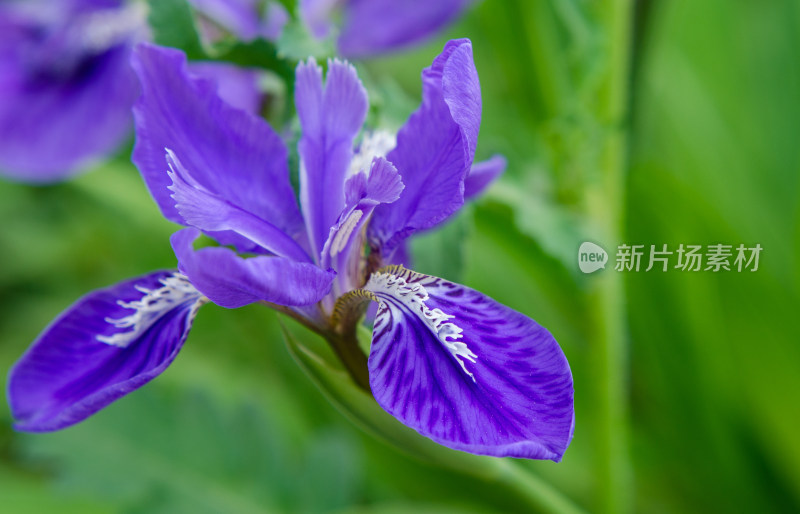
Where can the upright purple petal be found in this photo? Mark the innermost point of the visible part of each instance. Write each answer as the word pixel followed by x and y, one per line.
pixel 378 26
pixel 435 149
pixel 56 61
pixel 231 281
pixel 466 371
pixel 330 116
pixel 231 153
pixel 482 174
pixel 109 343
pixel 235 85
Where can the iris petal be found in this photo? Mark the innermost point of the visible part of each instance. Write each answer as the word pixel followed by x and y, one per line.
pixel 363 191
pixel 435 149
pixel 377 26
pixel 109 343
pixel 232 281
pixel 235 85
pixel 231 153
pixel 466 371
pixel 203 209
pixel 482 174
pixel 330 115
pixel 317 14
pixel 51 124
pixel 238 16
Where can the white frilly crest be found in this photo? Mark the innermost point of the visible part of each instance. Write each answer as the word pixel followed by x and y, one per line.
pixel 414 297
pixel 154 304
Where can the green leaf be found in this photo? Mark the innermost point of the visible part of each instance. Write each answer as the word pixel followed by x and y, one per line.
pixel 558 230
pixel 30 493
pixel 172 24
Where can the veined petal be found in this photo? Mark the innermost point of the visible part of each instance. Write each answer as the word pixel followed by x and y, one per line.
pixel 203 209
pixel 435 149
pixel 363 192
pixel 109 343
pixel 231 281
pixel 330 117
pixel 482 174
pixel 378 26
pixel 466 371
pixel 231 153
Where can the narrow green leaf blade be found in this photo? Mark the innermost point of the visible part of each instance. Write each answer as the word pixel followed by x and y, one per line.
pixel 172 24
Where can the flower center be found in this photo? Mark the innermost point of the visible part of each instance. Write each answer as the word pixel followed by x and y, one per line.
pixel 374 144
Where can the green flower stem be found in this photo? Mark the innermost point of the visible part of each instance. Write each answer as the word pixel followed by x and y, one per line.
pixel 343 341
pixel 539 494
pixel 605 206
pixel 360 407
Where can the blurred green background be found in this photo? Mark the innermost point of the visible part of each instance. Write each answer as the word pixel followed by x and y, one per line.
pixel 706 366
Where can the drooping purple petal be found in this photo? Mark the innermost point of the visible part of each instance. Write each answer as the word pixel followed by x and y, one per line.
pixel 466 371
pixel 235 85
pixel 109 343
pixel 482 174
pixel 378 26
pixel 55 63
pixel 231 281
pixel 363 192
pixel 330 116
pixel 435 149
pixel 231 153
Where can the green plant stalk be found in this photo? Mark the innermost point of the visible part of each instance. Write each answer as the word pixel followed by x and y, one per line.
pixel 605 207
pixel 360 407
pixel 539 494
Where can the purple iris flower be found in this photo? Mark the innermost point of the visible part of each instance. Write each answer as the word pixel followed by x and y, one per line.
pixel 243 18
pixel 67 88
pixel 372 27
pixel 367 28
pixel 56 60
pixel 446 360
